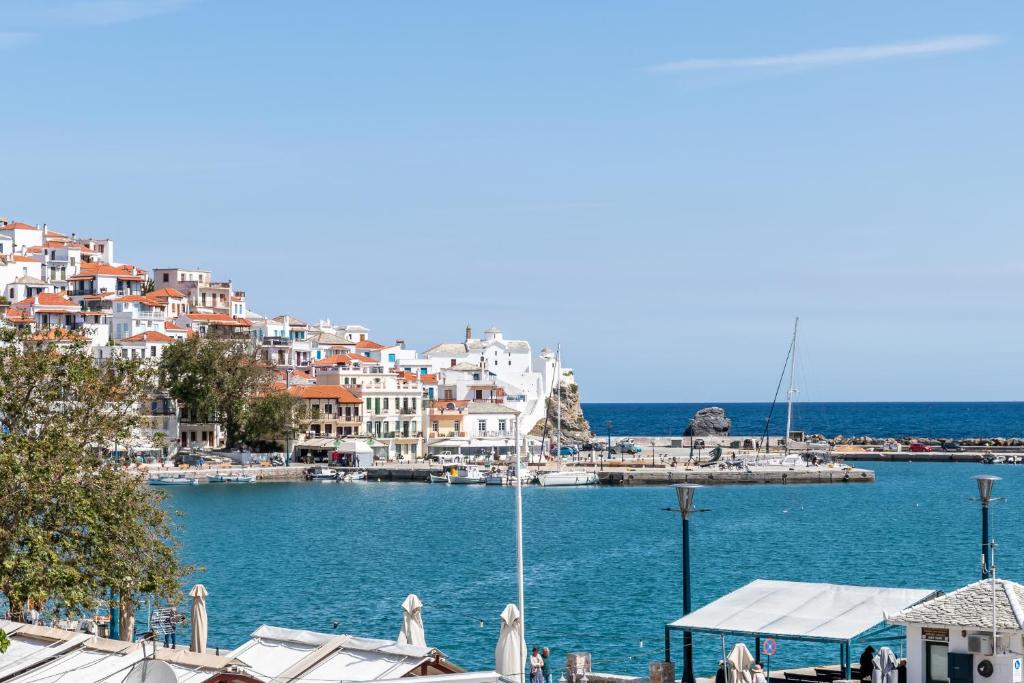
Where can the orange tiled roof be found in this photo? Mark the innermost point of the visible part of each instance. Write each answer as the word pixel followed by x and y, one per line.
pixel 18 226
pixel 18 258
pixel 339 393
pixel 369 345
pixel 48 300
pixel 149 336
pixel 147 299
pixel 90 270
pixel 168 292
pixel 343 359
pixel 429 379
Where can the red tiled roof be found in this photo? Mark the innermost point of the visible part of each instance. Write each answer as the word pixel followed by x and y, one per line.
pixel 219 319
pixel 168 292
pixel 18 226
pixel 339 393
pixel 18 258
pixel 369 345
pixel 149 336
pixel 343 359
pixel 147 299
pixel 48 300
pixel 90 270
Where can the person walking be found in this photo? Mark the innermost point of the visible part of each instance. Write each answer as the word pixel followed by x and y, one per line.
pixel 546 669
pixel 536 667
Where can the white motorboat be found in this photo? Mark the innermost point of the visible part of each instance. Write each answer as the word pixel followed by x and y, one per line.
pixel 526 475
pixel 355 476
pixel 231 478
pixel 495 478
pixel 173 480
pixel 438 478
pixel 321 474
pixel 466 474
pixel 568 478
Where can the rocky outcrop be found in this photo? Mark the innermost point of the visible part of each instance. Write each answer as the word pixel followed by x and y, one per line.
pixel 574 425
pixel 709 422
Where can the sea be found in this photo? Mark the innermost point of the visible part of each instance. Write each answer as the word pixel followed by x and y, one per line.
pixel 602 564
pixel 936 420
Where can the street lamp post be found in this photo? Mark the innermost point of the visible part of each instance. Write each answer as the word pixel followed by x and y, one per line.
pixel 685 494
pixel 985 482
pixel 608 425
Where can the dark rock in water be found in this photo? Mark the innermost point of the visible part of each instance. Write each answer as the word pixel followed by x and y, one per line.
pixel 709 422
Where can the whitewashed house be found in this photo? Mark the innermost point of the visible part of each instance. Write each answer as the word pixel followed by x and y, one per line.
pixel 134 315
pixel 950 637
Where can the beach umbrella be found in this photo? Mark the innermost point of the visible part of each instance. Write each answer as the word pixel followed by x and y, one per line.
pixel 510 654
pixel 884 669
pixel 198 594
pixel 739 663
pixel 412 622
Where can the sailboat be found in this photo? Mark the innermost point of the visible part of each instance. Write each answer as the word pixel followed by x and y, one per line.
pixel 787 459
pixel 563 477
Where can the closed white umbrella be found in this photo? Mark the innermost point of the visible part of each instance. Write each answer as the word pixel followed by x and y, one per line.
pixel 739 662
pixel 198 594
pixel 412 622
pixel 510 653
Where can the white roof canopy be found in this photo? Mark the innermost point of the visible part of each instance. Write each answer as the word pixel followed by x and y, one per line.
pixel 796 610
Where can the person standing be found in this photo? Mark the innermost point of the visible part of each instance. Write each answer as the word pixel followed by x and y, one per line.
pixel 720 674
pixel 536 667
pixel 758 673
pixel 546 669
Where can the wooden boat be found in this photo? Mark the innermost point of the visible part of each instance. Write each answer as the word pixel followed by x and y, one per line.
pixel 173 480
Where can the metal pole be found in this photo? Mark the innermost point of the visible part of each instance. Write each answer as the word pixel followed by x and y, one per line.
pixel 986 545
pixel 792 387
pixel 519 538
pixel 687 635
pixel 668 644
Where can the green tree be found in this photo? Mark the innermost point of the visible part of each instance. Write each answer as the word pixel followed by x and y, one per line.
pixel 74 524
pixel 223 379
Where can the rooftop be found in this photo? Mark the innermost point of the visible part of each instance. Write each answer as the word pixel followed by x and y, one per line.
pixel 970 607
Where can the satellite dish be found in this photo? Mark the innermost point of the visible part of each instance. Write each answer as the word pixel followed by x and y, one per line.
pixel 151 671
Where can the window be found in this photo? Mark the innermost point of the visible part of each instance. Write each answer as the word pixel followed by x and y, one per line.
pixel 437 427
pixel 481 425
pixel 391 358
pixel 329 408
pixel 167 277
pixel 501 425
pixel 936 664
pixel 385 403
pixel 458 426
pixel 328 428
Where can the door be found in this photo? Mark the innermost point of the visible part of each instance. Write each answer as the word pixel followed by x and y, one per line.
pixel 936 663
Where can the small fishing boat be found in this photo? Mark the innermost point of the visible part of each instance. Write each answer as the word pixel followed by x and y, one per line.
pixel 321 474
pixel 355 476
pixel 495 478
pixel 173 480
pixel 568 478
pixel 231 478
pixel 466 474
pixel 438 478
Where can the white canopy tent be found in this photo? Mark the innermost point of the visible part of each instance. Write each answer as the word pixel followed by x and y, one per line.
pixel 794 610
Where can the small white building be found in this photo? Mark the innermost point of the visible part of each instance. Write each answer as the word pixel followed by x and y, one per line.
pixel 950 637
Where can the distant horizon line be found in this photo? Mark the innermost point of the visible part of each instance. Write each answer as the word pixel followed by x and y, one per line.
pixel 795 403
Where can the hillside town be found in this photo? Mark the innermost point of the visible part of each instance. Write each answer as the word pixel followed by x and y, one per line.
pixel 474 395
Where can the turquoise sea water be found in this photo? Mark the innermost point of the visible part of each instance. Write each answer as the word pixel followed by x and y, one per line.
pixel 947 420
pixel 602 564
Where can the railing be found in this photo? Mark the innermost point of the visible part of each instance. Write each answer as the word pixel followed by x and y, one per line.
pixel 500 433
pixel 446 435
pixel 409 411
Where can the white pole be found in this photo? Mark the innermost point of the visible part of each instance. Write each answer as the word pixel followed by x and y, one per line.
pixel 558 388
pixel 792 386
pixel 519 535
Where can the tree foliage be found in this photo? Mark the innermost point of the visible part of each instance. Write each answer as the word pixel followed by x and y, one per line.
pixel 223 380
pixel 74 524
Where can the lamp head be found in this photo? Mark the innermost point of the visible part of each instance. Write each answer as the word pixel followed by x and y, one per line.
pixel 985 482
pixel 685 493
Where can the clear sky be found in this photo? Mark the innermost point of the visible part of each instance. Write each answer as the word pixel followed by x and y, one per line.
pixel 660 186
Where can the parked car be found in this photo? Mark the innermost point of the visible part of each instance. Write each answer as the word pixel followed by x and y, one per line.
pixel 951 446
pixel 920 448
pixel 566 450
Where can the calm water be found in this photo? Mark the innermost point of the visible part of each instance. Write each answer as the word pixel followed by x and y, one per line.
pixel 602 564
pixel 939 420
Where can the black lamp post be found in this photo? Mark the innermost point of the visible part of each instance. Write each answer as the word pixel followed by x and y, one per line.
pixel 608 425
pixel 985 482
pixel 685 493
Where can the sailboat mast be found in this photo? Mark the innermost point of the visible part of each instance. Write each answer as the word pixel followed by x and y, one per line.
pixel 792 386
pixel 558 388
pixel 519 530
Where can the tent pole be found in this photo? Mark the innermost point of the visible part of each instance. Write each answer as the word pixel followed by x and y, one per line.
pixel 668 644
pixel 757 649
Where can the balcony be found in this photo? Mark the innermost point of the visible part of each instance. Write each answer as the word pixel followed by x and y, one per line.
pixel 446 435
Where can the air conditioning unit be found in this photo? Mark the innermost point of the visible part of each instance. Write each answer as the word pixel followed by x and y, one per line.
pixel 981 643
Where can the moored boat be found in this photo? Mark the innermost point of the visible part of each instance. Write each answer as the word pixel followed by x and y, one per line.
pixel 173 480
pixel 321 474
pixel 466 474
pixel 438 478
pixel 568 478
pixel 231 478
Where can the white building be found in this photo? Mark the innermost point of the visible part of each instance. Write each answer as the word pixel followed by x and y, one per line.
pixel 949 637
pixel 496 369
pixel 134 315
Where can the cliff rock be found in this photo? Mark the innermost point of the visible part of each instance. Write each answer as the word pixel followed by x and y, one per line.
pixel 574 425
pixel 709 422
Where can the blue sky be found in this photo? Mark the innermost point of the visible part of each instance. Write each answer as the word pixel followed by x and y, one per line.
pixel 657 185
